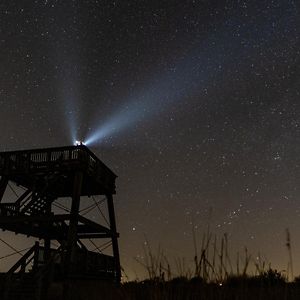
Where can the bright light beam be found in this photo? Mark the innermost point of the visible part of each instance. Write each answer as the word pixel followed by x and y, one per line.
pixel 158 96
pixel 192 74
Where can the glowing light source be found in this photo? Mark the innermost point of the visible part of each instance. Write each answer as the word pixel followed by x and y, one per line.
pixel 78 143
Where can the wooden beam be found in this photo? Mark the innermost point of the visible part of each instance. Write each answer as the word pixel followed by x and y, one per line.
pixel 3 185
pixel 114 238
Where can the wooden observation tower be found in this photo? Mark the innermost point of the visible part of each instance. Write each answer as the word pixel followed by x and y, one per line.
pixel 47 176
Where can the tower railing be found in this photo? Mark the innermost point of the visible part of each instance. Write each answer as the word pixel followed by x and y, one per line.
pixel 25 161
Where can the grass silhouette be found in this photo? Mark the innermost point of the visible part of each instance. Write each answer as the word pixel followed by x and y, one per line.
pixel 214 275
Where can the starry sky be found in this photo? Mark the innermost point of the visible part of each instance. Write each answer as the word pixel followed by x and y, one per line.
pixel 194 105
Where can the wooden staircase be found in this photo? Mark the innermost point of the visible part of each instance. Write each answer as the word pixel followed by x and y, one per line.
pixel 32 203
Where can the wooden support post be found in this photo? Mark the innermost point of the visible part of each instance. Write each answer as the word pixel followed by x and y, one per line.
pixel 114 237
pixel 70 255
pixel 3 185
pixel 72 234
pixel 47 241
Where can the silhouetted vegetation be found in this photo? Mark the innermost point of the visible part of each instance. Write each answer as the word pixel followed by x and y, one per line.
pixel 213 276
pixel 270 285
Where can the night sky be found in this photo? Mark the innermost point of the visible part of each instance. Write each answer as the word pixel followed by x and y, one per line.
pixel 195 105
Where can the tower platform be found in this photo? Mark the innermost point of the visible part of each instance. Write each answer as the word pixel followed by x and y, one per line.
pixel 24 167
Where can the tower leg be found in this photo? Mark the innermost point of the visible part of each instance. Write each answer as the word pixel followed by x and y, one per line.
pixel 72 234
pixel 47 241
pixel 114 237
pixel 3 185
